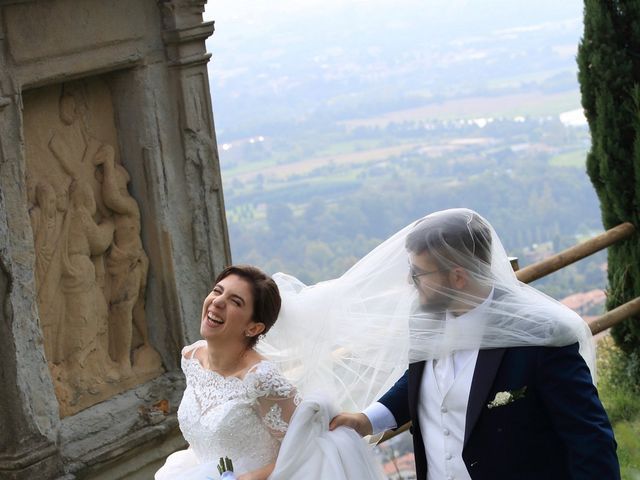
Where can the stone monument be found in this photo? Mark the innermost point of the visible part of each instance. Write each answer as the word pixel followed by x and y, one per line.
pixel 112 229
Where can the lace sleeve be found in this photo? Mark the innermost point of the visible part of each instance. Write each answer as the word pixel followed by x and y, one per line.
pixel 275 398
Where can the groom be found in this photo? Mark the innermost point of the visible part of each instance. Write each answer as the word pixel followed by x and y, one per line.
pixel 488 414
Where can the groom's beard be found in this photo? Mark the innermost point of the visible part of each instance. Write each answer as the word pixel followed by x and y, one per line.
pixel 438 301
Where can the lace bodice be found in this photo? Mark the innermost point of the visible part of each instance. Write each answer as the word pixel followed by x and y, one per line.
pixel 241 418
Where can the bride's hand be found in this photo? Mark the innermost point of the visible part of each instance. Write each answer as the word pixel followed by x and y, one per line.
pixel 260 474
pixel 358 421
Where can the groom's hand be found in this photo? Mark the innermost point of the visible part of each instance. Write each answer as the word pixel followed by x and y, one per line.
pixel 358 421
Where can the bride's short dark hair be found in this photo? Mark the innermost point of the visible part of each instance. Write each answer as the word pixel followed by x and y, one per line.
pixel 266 296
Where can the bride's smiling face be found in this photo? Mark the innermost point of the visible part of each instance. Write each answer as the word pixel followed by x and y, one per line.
pixel 228 309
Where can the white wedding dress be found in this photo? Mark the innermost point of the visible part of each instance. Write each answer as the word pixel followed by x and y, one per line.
pixel 246 419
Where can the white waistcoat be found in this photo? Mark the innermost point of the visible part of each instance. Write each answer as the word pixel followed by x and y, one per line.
pixel 442 417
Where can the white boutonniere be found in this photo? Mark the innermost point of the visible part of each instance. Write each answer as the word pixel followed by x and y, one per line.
pixel 505 398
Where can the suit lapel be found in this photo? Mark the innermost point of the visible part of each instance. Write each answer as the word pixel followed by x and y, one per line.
pixel 415 380
pixel 485 372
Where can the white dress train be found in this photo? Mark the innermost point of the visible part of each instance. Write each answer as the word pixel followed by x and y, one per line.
pixel 310 451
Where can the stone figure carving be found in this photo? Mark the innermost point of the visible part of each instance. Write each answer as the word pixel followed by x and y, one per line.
pixel 127 266
pixel 91 268
pixel 46 222
pixel 71 144
pixel 83 239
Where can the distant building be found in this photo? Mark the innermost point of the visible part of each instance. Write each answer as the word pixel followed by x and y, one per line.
pixel 586 304
pixel 401 468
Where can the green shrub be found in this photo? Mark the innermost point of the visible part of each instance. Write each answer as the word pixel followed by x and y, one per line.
pixel 619 395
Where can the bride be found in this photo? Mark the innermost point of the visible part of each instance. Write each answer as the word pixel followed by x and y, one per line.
pixel 238 405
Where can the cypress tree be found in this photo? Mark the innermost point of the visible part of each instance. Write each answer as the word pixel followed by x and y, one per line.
pixel 609 75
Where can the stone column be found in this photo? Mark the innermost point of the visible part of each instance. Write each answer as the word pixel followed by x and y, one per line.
pixel 28 407
pixel 184 36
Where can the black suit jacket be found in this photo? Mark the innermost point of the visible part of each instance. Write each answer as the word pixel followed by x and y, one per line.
pixel 558 430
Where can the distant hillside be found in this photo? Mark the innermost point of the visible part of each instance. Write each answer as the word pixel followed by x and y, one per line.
pixel 340 121
pixel 279 63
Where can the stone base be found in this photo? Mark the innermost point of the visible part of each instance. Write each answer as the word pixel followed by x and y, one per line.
pixel 42 461
pixel 139 463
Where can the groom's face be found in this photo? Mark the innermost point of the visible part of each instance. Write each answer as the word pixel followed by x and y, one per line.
pixel 431 281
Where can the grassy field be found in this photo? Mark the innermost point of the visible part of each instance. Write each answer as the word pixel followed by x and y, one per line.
pixel 340 148
pixel 308 165
pixel 281 163
pixel 504 106
pixel 369 153
pixel 574 159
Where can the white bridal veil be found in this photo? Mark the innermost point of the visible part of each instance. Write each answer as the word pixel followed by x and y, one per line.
pixel 354 336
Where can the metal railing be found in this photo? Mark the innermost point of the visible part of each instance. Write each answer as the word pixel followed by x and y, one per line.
pixel 560 260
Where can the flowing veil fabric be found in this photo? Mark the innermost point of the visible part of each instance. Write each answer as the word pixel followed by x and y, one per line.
pixel 353 337
pixel 347 337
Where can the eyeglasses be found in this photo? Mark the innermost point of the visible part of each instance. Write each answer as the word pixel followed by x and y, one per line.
pixel 416 276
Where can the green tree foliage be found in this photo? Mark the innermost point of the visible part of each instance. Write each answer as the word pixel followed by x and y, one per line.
pixel 320 231
pixel 609 72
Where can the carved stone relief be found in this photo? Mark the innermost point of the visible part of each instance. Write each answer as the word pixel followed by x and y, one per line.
pixel 91 268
